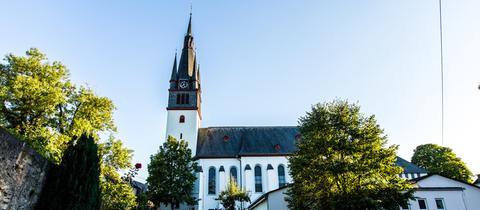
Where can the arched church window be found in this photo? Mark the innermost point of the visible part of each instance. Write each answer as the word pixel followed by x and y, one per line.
pixel 182 119
pixel 281 176
pixel 211 181
pixel 258 179
pixel 233 173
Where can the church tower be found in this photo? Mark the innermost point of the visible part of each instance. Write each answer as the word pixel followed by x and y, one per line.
pixel 184 110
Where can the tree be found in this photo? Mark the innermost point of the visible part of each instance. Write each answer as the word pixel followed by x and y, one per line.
pixel 232 194
pixel 342 162
pixel 441 160
pixel 117 193
pixel 39 104
pixel 171 174
pixel 75 183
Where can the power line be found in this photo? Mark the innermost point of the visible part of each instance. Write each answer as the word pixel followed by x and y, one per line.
pixel 441 68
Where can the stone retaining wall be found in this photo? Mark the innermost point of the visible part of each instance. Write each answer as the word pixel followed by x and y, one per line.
pixel 22 173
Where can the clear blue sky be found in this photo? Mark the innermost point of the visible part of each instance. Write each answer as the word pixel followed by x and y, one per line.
pixel 267 62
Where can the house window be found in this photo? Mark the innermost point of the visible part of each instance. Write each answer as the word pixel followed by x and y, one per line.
pixel 211 181
pixel 187 100
pixel 182 119
pixel 233 174
pixel 281 176
pixel 440 203
pixel 422 204
pixel 258 179
pixel 178 99
pixel 181 135
pixel 405 207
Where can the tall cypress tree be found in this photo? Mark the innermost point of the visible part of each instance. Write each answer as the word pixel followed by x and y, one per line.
pixel 74 184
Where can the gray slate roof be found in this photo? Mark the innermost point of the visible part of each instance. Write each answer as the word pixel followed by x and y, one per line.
pixel 232 142
pixel 245 141
pixel 409 167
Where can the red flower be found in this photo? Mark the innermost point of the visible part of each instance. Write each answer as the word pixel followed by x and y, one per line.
pixel 138 165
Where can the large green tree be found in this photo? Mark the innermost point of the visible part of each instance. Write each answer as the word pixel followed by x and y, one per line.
pixel 171 174
pixel 40 104
pixel 343 162
pixel 74 184
pixel 441 160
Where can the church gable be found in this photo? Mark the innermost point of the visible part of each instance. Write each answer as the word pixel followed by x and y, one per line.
pixel 230 142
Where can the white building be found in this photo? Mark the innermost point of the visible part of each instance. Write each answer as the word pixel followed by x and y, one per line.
pixel 432 192
pixel 255 156
pixel 439 192
pixel 274 200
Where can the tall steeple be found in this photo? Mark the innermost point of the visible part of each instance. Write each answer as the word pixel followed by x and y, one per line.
pixel 187 59
pixel 184 81
pixel 184 111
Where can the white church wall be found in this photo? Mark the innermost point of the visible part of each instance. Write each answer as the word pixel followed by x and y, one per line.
pixel 246 178
pixel 187 130
pixel 263 162
pixel 208 200
pixel 272 180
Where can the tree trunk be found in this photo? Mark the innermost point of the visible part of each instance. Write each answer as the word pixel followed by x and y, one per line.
pixel 172 207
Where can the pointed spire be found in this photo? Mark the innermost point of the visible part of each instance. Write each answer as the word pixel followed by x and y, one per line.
pixel 189 30
pixel 174 69
pixel 187 58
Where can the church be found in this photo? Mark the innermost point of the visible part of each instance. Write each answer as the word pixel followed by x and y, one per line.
pixel 256 157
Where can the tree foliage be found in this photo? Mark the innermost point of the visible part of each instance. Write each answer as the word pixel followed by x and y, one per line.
pixel 40 104
pixel 171 174
pixel 74 184
pixel 343 162
pixel 232 194
pixel 116 192
pixel 441 160
pixel 38 101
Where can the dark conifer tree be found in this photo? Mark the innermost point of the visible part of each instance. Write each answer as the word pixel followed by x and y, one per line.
pixel 74 184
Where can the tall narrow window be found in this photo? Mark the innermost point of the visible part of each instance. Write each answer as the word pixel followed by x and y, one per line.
pixel 233 173
pixel 182 119
pixel 422 203
pixel 211 181
pixel 178 98
pixel 281 176
pixel 181 135
pixel 187 100
pixel 258 179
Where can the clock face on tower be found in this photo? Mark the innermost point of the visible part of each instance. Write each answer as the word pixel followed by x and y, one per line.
pixel 183 84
